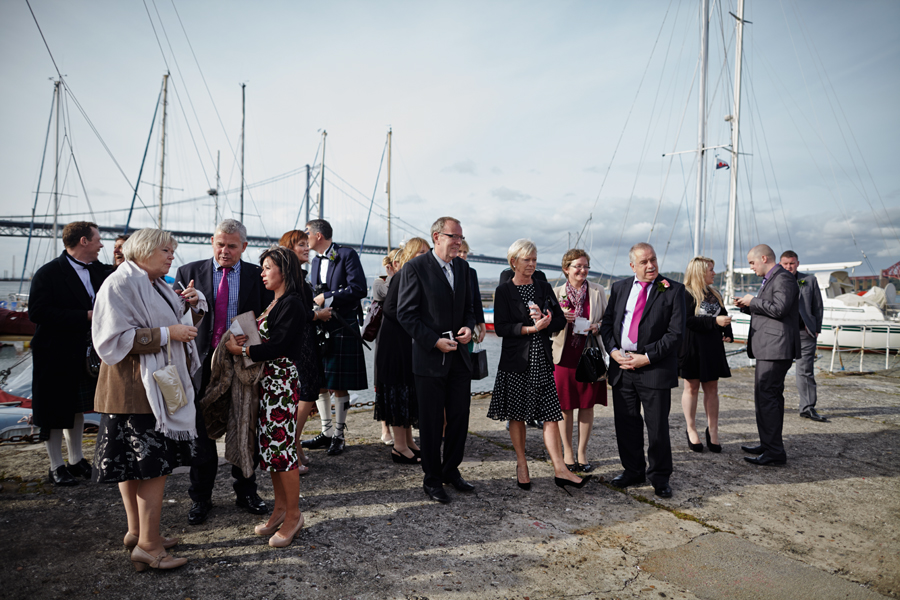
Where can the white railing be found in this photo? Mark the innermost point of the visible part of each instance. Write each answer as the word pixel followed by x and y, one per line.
pixel 836 349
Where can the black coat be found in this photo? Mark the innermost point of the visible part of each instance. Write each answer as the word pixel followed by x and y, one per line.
pixel 287 323
pixel 702 354
pixel 58 304
pixel 510 314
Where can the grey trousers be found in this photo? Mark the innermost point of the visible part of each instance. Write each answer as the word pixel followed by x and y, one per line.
pixel 806 381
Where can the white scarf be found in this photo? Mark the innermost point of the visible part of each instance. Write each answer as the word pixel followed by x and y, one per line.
pixel 126 302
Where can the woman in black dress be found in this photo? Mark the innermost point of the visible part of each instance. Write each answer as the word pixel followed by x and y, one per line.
pixel 702 361
pixel 395 390
pixel 526 312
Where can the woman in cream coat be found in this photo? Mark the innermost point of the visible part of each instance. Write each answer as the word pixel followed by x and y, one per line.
pixel 578 298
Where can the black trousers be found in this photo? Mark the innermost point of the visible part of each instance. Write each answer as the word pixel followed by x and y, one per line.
pixel 437 395
pixel 203 475
pixel 629 395
pixel 768 398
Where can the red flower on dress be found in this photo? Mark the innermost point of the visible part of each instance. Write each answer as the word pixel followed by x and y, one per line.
pixel 279 415
pixel 264 440
pixel 279 435
pixel 279 462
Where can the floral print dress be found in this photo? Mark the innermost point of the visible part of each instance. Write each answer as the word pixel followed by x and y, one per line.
pixel 278 396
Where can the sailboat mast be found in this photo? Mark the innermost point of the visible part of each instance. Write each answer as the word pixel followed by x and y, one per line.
pixel 243 117
pixel 322 179
pixel 56 94
pixel 388 190
pixel 701 144
pixel 218 185
pixel 735 138
pixel 162 160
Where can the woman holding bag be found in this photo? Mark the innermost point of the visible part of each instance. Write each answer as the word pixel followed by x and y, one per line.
pixel 582 299
pixel 144 435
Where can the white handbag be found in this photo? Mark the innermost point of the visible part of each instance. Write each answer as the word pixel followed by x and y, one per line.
pixel 170 384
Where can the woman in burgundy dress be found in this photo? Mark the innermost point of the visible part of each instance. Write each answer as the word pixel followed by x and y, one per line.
pixel 578 298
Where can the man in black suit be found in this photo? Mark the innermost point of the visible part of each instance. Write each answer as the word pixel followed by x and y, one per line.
pixel 231 287
pixel 774 341
pixel 812 309
pixel 435 310
pixel 642 327
pixel 61 304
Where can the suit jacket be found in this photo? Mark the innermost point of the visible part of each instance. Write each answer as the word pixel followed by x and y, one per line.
pixel 58 305
pixel 812 309
pixel 774 318
pixel 597 298
pixel 659 332
pixel 252 295
pixel 475 295
pixel 510 314
pixel 345 282
pixel 428 306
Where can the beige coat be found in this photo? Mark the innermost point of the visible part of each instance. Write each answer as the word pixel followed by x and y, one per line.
pixel 597 297
pixel 120 390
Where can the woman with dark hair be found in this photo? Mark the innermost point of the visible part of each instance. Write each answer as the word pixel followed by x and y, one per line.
pixel 283 327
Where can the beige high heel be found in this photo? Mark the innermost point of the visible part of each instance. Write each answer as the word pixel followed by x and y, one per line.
pixel 142 559
pixel 280 541
pixel 131 541
pixel 263 529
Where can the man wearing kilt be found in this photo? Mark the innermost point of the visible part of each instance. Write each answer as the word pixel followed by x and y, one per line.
pixel 339 282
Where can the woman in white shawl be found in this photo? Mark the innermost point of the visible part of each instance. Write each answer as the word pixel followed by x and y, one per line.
pixel 137 329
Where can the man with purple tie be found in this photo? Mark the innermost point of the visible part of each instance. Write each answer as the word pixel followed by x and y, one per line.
pixel 642 328
pixel 231 286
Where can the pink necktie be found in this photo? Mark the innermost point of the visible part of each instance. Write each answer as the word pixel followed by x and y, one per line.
pixel 221 317
pixel 638 312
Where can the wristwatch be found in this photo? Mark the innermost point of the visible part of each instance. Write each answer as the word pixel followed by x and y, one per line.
pixel 243 350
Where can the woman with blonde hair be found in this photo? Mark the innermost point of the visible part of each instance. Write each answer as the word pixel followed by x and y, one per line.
pixel 578 298
pixel 701 361
pixel 396 402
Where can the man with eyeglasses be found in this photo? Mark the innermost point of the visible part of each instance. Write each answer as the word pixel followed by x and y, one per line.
pixel 436 310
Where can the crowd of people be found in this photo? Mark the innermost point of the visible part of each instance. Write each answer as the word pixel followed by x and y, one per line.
pixel 251 350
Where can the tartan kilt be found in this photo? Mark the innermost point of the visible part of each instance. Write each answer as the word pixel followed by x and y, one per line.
pixel 345 366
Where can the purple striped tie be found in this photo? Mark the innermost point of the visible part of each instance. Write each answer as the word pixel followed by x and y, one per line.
pixel 220 323
pixel 638 312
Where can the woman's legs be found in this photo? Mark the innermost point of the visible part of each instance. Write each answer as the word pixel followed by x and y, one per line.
pixel 551 441
pixel 287 495
pixel 565 431
pixel 128 489
pixel 149 497
pixel 689 407
pixel 711 406
pixel 303 411
pixel 517 435
pixel 281 503
pixel 585 424
pixel 410 442
pixel 402 436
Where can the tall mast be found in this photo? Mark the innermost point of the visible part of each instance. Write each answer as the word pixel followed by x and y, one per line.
pixel 243 116
pixel 56 94
pixel 735 138
pixel 701 144
pixel 162 160
pixel 388 190
pixel 322 179
pixel 218 184
pixel 307 195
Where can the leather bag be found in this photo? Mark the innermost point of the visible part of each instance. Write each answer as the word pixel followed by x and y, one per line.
pixel 372 323
pixel 479 363
pixel 591 365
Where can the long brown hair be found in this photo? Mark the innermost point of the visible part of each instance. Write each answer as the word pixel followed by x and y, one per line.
pixel 695 281
pixel 289 265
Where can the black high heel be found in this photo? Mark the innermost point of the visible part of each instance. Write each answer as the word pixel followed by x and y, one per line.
pixel 524 486
pixel 694 447
pixel 712 447
pixel 563 483
pixel 402 459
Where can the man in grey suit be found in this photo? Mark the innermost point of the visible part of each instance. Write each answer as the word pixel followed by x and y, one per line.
pixel 811 312
pixel 774 341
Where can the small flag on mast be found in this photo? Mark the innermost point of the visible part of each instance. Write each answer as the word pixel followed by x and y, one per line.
pixel 721 164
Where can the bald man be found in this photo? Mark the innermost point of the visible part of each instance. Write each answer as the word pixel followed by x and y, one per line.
pixel 774 341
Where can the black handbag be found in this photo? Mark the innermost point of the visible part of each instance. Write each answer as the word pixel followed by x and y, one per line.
pixel 92 359
pixel 479 363
pixel 591 365
pixel 372 323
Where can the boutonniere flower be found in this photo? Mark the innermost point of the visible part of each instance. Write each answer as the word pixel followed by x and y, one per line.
pixel 564 302
pixel 662 285
pixel 333 255
pixel 801 283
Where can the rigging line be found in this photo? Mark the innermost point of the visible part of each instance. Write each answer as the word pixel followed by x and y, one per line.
pixel 315 177
pixel 156 35
pixel 683 202
pixel 375 191
pixel 68 139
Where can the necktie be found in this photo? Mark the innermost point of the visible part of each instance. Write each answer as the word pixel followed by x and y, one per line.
pixel 638 312
pixel 221 311
pixel 449 271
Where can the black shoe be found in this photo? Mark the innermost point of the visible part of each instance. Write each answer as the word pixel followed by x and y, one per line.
pixel 61 476
pixel 462 485
pixel 624 480
pixel 199 511
pixel 336 447
pixel 564 483
pixel 764 460
pixel 80 469
pixel 694 447
pixel 402 459
pixel 712 447
pixel 436 493
pixel 572 467
pixel 663 491
pixel 252 503
pixel 318 442
pixel 584 468
pixel 810 413
pixel 753 449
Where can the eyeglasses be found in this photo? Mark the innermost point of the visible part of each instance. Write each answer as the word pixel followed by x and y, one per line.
pixel 453 236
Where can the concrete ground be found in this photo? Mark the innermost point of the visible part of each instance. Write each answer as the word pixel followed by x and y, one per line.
pixel 824 526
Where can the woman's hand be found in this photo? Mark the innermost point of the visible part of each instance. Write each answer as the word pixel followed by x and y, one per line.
pixel 595 328
pixel 543 322
pixel 182 333
pixel 233 346
pixel 480 332
pixel 570 315
pixel 723 321
pixel 190 294
pixel 727 340
pixel 323 315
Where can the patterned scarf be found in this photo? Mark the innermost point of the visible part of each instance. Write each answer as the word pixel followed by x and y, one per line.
pixel 576 300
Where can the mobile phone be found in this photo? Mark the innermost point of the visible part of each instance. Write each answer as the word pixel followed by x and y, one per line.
pixel 447 335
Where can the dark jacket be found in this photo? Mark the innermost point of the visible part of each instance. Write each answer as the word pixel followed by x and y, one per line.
pixel 345 282
pixel 58 305
pixel 286 323
pixel 812 308
pixel 510 314
pixel 475 297
pixel 774 318
pixel 659 332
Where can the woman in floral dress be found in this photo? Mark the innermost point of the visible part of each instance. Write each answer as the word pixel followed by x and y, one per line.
pixel 282 328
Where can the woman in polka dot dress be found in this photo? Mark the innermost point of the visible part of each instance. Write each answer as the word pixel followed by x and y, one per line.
pixel 526 312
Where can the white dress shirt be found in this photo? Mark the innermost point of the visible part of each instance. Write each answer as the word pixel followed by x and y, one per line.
pixel 323 272
pixel 630 345
pixel 447 268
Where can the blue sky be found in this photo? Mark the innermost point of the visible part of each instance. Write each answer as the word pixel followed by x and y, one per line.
pixel 507 115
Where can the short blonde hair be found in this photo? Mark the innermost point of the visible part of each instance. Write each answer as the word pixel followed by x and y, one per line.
pixel 141 245
pixel 520 248
pixel 411 249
